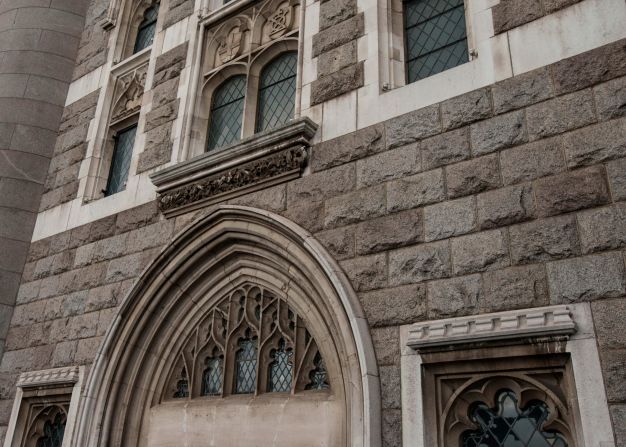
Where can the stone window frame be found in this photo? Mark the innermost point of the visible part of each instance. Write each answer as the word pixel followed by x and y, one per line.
pixel 50 387
pixel 528 333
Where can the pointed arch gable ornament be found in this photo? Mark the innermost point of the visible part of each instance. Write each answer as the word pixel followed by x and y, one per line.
pixel 232 246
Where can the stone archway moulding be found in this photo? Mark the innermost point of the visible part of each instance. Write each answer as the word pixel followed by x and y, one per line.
pixel 215 254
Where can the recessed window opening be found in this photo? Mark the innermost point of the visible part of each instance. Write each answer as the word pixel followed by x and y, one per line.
pixel 147 28
pixel 227 113
pixel 124 141
pixel 277 92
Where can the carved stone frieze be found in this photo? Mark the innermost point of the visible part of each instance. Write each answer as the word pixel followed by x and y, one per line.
pixel 57 376
pixel 129 94
pixel 280 21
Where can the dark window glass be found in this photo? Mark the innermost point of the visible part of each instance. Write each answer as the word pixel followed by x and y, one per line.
pixel 120 162
pixel 277 92
pixel 212 377
pixel 435 36
pixel 227 113
pixel 318 379
pixel 280 374
pixel 510 426
pixel 182 385
pixel 53 432
pixel 246 366
pixel 147 28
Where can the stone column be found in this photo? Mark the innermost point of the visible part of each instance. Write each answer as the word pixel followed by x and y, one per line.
pixel 38 44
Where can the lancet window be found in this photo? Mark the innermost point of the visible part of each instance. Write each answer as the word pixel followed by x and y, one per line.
pixel 147 28
pixel 250 342
pixel 47 427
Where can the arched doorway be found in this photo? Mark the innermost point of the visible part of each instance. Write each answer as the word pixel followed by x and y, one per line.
pixel 241 285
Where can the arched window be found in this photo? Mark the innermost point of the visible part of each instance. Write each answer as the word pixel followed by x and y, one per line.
pixel 53 431
pixel 277 92
pixel 147 29
pixel 227 112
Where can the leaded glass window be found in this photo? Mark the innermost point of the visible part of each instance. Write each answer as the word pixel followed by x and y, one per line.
pixel 147 29
pixel 508 425
pixel 120 162
pixel 281 368
pixel 245 380
pixel 53 431
pixel 435 36
pixel 182 384
pixel 317 376
pixel 212 376
pixel 277 92
pixel 227 113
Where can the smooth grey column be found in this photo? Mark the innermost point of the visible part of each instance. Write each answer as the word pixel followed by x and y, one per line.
pixel 38 44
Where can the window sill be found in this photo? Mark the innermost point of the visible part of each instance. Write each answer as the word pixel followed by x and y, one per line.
pixel 266 159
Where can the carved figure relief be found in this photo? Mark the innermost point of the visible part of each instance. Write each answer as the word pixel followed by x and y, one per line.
pixel 128 101
pixel 229 47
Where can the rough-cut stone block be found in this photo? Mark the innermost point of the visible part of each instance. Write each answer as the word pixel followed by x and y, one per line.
pixel 338 35
pixel 390 387
pixel 522 90
pixel 596 144
pixel 392 428
pixel 551 6
pixel 271 199
pixel 505 206
pixel 171 58
pixel 509 14
pixel 414 191
pixel 587 278
pixel 532 161
pixel 451 218
pixel 367 272
pixel 498 133
pixel 322 185
pixel 618 416
pixel 560 114
pixel 571 191
pixel 544 240
pixel 344 149
pixel 155 235
pixel 339 242
pixel 444 149
pixel 479 252
pixel 609 318
pixel 611 99
pixel 134 218
pixel 123 268
pixel 161 115
pixel 388 232
pixel 386 342
pixel 454 297
pixel 309 215
pixel 590 68
pixel 413 126
pixel 400 305
pixel 514 288
pixel 419 263
pixel 616 171
pixel 178 13
pixel 337 83
pixel 466 109
pixel 388 165
pixel 473 176
pixel 337 59
pixel 356 206
pixel 614 368
pixel 164 93
pixel 333 12
pixel 103 297
pixel 603 228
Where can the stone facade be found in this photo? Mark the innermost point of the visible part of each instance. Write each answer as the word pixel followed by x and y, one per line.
pixel 508 197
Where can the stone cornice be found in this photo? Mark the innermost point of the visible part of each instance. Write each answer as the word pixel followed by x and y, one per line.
pixel 58 376
pixel 538 322
pixel 261 161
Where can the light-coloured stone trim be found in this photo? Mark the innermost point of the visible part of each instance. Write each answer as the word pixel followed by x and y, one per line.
pixel 58 376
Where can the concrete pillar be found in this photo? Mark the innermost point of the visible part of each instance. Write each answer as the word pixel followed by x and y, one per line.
pixel 38 44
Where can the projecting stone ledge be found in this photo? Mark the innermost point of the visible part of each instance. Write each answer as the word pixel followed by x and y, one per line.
pixel 258 162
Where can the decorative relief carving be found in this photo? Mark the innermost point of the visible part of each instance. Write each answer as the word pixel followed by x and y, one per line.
pixel 280 21
pixel 130 87
pixel 229 47
pixel 66 375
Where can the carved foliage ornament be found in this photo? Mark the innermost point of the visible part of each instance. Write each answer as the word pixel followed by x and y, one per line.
pixel 250 342
pixel 129 94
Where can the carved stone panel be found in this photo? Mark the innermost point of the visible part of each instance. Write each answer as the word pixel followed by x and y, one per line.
pixel 129 94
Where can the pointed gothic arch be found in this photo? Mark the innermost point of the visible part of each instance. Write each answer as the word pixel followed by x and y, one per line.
pixel 232 246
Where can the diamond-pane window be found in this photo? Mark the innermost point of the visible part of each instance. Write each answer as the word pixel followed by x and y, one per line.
pixel 147 28
pixel 120 162
pixel 212 377
pixel 510 426
pixel 281 369
pixel 435 36
pixel 245 381
pixel 318 375
pixel 53 432
pixel 227 112
pixel 277 92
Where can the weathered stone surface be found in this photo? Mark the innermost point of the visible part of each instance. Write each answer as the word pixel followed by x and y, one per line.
pixel 162 115
pixel 388 232
pixel 333 12
pixel 388 165
pixel 603 228
pixel 344 149
pixel 322 185
pixel 509 14
pixel 386 342
pixel 134 218
pixel 586 278
pixel 522 90
pixel 505 206
pixel 338 35
pixel 466 109
pixel 616 171
pixel 170 64
pixel 618 416
pixel 125 267
pixel 400 305
pixel 451 218
pixel 514 288
pixel 356 206
pixel 560 114
pixel 339 242
pixel 611 99
pixel 419 263
pixel 551 6
pixel 473 176
pixel 571 191
pixel 337 83
pixel 532 161
pixel 590 68
pixel 444 149
pixel 614 368
pixel 309 215
pixel 178 11
pixel 164 93
pixel 596 144
pixel 272 199
pixel 367 272
pixel 498 133
pixel 413 126
pixel 544 240
pixel 454 297
pixel 414 191
pixel 390 387
pixel 479 252
pixel 609 317
pixel 337 58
